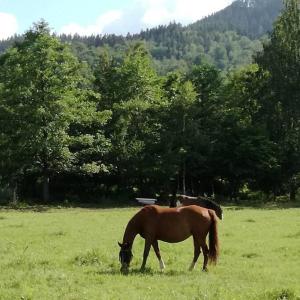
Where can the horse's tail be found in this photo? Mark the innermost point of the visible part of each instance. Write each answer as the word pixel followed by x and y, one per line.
pixel 213 252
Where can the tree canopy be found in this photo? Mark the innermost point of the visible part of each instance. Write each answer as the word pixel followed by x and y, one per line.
pixel 114 126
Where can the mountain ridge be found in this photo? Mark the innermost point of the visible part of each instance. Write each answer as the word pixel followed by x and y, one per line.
pixel 228 38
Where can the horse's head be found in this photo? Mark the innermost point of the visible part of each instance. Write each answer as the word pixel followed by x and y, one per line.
pixel 125 256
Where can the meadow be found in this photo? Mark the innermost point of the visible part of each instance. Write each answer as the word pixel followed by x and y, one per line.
pixel 73 254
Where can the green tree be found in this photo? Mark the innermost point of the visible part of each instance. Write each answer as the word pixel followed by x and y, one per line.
pixel 42 93
pixel 281 58
pixel 207 114
pixel 244 153
pixel 177 128
pixel 132 90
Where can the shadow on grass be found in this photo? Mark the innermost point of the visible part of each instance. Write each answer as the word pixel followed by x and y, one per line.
pixel 261 205
pixel 28 207
pixel 39 207
pixel 293 235
pixel 106 204
pixel 148 272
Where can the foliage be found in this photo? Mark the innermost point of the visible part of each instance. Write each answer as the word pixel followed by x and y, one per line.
pixel 246 153
pixel 177 127
pixel 132 89
pixel 42 94
pixel 112 126
pixel 252 18
pixel 227 39
pixel 281 59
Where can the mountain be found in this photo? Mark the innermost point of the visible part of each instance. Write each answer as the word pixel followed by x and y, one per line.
pixel 252 18
pixel 227 39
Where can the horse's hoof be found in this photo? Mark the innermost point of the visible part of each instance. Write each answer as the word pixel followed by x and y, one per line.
pixel 205 270
pixel 124 271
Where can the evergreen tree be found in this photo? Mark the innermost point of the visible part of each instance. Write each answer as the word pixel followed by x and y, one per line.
pixel 281 58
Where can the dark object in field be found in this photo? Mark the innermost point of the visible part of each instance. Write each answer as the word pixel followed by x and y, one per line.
pixel 203 202
pixel 171 225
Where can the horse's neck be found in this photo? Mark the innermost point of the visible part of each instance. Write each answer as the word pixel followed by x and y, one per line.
pixel 130 232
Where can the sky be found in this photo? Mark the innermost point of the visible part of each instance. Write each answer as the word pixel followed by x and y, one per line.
pixel 101 16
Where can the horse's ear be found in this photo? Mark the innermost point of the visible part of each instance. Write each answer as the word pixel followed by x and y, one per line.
pixel 120 244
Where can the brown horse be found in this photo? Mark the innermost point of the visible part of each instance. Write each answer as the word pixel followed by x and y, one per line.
pixel 171 225
pixel 203 202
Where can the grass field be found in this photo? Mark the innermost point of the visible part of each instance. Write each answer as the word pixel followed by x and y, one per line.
pixel 73 254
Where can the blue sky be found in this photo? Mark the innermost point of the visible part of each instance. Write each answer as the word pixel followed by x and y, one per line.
pixel 101 16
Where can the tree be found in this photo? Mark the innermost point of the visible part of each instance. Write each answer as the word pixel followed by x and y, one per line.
pixel 281 58
pixel 207 81
pixel 177 130
pixel 243 152
pixel 132 90
pixel 42 93
pixel 207 111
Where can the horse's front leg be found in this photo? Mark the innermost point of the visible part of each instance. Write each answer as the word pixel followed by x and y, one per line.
pixel 157 252
pixel 146 253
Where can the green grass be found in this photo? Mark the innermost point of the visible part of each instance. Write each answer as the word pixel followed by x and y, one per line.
pixel 73 254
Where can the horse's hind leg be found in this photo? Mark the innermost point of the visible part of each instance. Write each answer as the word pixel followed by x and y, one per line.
pixel 205 254
pixel 146 253
pixel 157 252
pixel 197 252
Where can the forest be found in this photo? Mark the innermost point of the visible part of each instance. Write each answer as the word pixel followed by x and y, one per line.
pixel 95 118
pixel 227 39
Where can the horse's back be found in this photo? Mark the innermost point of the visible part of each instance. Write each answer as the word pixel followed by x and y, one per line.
pixel 195 209
pixel 156 210
pixel 174 224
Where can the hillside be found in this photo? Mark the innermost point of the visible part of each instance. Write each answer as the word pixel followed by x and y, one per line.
pixel 252 18
pixel 227 39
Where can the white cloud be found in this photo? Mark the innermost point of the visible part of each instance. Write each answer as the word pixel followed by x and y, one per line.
pixel 183 11
pixel 144 14
pixel 97 27
pixel 8 25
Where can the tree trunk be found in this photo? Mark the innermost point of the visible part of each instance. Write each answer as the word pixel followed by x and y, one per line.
pixel 183 162
pixel 173 200
pixel 184 178
pixel 293 190
pixel 46 187
pixel 13 193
